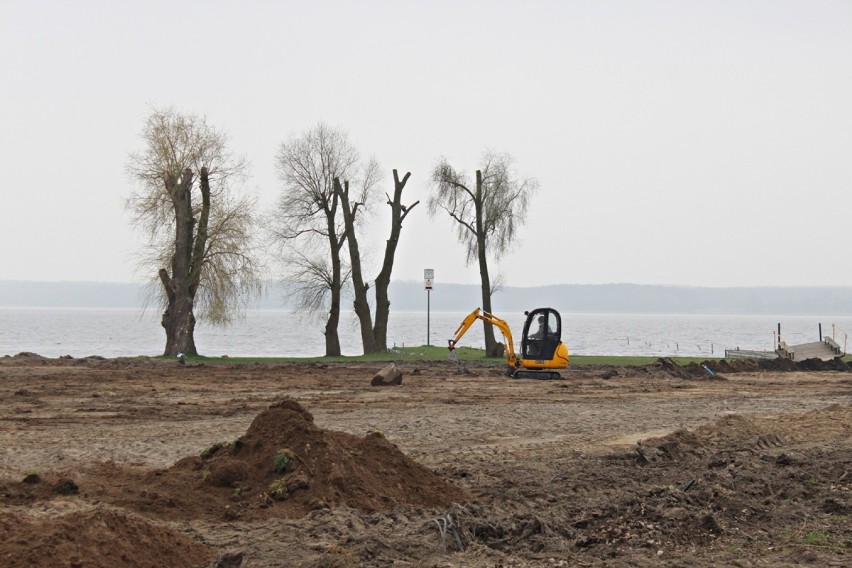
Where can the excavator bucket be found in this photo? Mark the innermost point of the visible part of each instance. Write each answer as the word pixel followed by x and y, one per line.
pixel 461 368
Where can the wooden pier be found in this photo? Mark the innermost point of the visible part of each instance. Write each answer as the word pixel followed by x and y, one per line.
pixel 826 350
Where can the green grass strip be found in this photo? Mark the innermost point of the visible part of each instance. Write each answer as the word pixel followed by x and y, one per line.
pixel 434 353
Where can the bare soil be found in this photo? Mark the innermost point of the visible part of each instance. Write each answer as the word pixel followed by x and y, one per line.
pixel 139 462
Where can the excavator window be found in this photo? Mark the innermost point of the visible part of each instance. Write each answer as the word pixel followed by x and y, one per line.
pixel 542 334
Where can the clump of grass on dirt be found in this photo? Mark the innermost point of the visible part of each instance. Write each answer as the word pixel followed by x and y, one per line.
pixel 211 451
pixel 377 432
pixel 278 489
pixel 283 460
pixel 67 487
pixel 822 537
pixel 816 537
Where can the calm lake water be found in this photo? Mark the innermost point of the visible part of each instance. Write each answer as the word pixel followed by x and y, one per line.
pixel 128 332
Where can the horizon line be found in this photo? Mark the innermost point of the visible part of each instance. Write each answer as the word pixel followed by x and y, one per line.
pixel 438 285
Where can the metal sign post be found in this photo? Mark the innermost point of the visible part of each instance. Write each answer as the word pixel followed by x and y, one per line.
pixel 428 276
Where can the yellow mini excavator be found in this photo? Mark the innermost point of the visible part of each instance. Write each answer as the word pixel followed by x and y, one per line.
pixel 542 349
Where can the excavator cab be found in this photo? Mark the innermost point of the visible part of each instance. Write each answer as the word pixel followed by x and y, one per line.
pixel 542 334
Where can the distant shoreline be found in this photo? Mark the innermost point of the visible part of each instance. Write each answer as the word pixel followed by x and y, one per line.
pixel 156 315
pixel 410 296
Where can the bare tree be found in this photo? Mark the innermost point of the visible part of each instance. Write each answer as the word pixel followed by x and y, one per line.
pixel 359 286
pixel 373 338
pixel 398 214
pixel 488 211
pixel 309 219
pixel 199 233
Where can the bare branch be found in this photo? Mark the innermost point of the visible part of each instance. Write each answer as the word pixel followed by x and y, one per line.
pixel 407 210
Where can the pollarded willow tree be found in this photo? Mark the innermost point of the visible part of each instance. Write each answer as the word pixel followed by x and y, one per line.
pixel 374 333
pixel 349 210
pixel 199 231
pixel 399 212
pixel 488 211
pixel 309 223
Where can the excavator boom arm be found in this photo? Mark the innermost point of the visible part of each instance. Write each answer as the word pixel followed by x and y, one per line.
pixel 500 324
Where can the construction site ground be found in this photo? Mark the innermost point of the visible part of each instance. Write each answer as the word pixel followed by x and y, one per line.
pixel 142 462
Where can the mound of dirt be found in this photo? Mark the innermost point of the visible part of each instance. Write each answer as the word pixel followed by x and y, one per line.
pixel 756 482
pixel 665 366
pixel 732 365
pixel 806 365
pixel 283 466
pixel 96 539
pixel 820 365
pixel 668 367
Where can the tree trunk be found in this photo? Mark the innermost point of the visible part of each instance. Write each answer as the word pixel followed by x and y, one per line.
pixel 398 213
pixel 332 339
pixel 178 319
pixel 361 306
pixel 485 279
pixel 490 339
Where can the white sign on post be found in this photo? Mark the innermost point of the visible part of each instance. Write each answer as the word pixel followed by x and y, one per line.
pixel 428 276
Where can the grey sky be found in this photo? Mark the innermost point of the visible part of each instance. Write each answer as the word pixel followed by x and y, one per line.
pixel 697 143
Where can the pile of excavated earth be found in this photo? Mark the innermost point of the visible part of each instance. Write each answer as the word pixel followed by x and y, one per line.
pixel 284 466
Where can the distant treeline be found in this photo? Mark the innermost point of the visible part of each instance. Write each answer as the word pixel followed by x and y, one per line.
pixel 597 298
pixel 636 298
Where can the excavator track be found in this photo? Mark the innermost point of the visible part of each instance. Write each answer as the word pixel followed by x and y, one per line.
pixel 540 375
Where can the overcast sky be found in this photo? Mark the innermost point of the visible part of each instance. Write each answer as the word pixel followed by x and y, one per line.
pixel 675 142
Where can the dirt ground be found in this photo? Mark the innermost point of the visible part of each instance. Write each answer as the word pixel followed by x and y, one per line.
pixel 137 462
